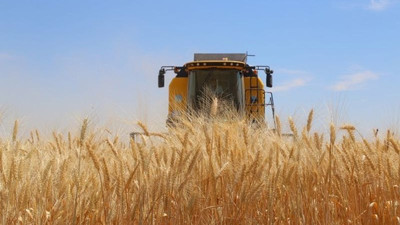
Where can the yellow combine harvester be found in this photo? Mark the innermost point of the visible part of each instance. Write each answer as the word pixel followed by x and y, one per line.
pixel 227 78
pixel 223 78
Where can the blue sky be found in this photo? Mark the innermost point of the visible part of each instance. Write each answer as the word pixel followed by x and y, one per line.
pixel 63 60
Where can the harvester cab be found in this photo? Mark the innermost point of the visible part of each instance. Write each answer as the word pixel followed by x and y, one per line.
pixel 226 78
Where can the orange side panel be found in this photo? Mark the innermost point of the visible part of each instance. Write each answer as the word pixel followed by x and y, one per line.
pixel 255 97
pixel 178 94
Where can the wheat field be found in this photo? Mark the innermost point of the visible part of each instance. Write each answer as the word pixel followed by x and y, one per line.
pixel 201 172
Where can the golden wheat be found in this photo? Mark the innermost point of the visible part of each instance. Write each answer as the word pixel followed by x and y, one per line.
pixel 201 172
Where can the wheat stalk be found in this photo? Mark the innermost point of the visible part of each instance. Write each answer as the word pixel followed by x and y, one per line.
pixel 293 128
pixel 83 131
pixel 15 131
pixel 309 120
pixel 332 133
pixel 278 126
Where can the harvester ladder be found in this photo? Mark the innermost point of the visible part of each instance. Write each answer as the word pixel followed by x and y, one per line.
pixel 256 104
pixel 271 103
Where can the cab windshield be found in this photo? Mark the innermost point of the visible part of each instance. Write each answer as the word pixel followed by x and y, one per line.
pixel 208 85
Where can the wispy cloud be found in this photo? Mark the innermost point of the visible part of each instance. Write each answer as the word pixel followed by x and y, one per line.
pixel 354 81
pixel 379 5
pixel 291 85
pixel 5 56
pixel 301 79
pixel 291 72
pixel 371 5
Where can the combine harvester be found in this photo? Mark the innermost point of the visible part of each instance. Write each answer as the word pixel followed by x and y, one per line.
pixel 227 78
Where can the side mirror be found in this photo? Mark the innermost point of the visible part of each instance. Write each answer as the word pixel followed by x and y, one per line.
pixel 269 73
pixel 269 80
pixel 161 78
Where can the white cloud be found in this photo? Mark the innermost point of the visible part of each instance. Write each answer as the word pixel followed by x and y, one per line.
pixel 379 5
pixel 353 81
pixel 291 84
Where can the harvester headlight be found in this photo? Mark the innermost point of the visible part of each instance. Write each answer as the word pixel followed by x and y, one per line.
pixel 178 98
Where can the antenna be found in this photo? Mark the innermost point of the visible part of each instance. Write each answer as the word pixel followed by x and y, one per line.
pixel 247 55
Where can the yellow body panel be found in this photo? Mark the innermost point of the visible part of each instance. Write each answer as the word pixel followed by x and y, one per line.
pixel 254 89
pixel 178 94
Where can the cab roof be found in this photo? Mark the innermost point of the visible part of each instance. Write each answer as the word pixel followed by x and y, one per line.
pixel 240 57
